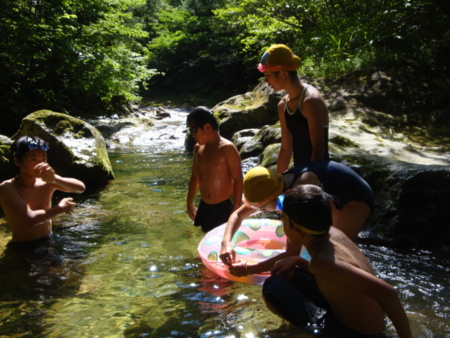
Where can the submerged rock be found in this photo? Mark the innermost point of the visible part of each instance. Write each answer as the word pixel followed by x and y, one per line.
pixel 77 149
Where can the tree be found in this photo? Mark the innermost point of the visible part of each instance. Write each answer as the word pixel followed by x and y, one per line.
pixel 77 57
pixel 195 55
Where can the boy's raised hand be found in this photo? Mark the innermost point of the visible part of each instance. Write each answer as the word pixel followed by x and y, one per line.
pixel 45 172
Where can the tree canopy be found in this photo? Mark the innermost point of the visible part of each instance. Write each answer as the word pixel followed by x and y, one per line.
pixel 71 56
pixel 95 56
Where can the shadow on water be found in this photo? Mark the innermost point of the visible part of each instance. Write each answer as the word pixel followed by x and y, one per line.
pixel 125 265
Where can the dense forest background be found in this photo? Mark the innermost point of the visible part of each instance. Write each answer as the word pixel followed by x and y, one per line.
pixel 95 57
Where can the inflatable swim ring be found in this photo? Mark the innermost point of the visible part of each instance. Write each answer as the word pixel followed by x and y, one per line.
pixel 255 241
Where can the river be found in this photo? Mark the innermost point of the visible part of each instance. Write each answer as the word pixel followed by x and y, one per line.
pixel 125 263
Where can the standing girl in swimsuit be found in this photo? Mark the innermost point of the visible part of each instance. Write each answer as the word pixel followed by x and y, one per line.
pixel 302 111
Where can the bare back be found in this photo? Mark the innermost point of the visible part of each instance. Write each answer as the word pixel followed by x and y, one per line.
pixel 338 265
pixel 214 170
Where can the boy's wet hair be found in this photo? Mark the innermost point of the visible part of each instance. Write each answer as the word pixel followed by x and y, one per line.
pixel 200 116
pixel 24 144
pixel 309 206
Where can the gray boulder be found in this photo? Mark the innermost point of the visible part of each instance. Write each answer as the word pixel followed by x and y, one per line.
pixel 254 146
pixel 77 149
pixel 250 110
pixel 242 136
pixel 7 168
pixel 412 202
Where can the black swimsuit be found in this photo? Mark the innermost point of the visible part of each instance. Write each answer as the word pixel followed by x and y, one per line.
pixel 210 216
pixel 338 180
pixel 299 128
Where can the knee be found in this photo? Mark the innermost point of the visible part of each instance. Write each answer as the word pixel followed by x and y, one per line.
pixel 273 284
pixel 274 288
pixel 271 287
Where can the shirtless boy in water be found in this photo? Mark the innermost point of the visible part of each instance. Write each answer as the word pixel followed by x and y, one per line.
pixel 26 198
pixel 216 171
pixel 338 286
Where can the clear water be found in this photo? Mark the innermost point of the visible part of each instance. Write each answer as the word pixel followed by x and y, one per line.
pixel 125 264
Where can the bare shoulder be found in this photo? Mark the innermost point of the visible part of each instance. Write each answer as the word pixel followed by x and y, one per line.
pixel 196 148
pixel 346 251
pixel 225 141
pixel 312 95
pixel 282 103
pixel 7 189
pixel 334 250
pixel 226 144
pixel 314 104
pixel 283 100
pixel 6 185
pixel 322 260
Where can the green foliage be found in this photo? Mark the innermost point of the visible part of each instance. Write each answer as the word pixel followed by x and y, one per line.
pixel 90 56
pixel 195 54
pixel 71 56
pixel 333 38
pixel 337 37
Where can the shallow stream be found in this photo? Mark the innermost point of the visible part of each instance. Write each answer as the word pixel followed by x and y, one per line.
pixel 125 265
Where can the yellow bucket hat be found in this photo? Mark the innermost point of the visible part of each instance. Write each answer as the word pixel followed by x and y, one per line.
pixel 262 184
pixel 277 58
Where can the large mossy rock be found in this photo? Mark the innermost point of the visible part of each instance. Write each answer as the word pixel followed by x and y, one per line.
pixel 77 149
pixel 7 168
pixel 250 110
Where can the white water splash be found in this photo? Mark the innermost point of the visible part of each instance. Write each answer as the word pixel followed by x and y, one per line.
pixel 152 130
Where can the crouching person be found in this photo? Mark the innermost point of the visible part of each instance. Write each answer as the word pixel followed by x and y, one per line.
pixel 337 287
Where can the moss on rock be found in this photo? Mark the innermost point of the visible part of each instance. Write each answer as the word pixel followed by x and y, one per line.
pixel 77 149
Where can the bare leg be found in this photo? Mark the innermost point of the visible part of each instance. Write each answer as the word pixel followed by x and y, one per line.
pixel 350 220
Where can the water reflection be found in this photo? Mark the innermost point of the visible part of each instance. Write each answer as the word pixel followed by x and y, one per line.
pixel 127 265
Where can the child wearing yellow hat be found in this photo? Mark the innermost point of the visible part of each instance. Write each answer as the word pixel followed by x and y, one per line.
pixel 351 204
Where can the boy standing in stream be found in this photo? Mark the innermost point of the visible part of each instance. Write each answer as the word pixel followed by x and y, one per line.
pixel 26 199
pixel 216 172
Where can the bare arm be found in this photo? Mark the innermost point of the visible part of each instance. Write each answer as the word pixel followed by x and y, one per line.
pixel 312 109
pixel 227 253
pixel 234 163
pixel 194 183
pixel 65 184
pixel 278 264
pixel 18 211
pixel 285 154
